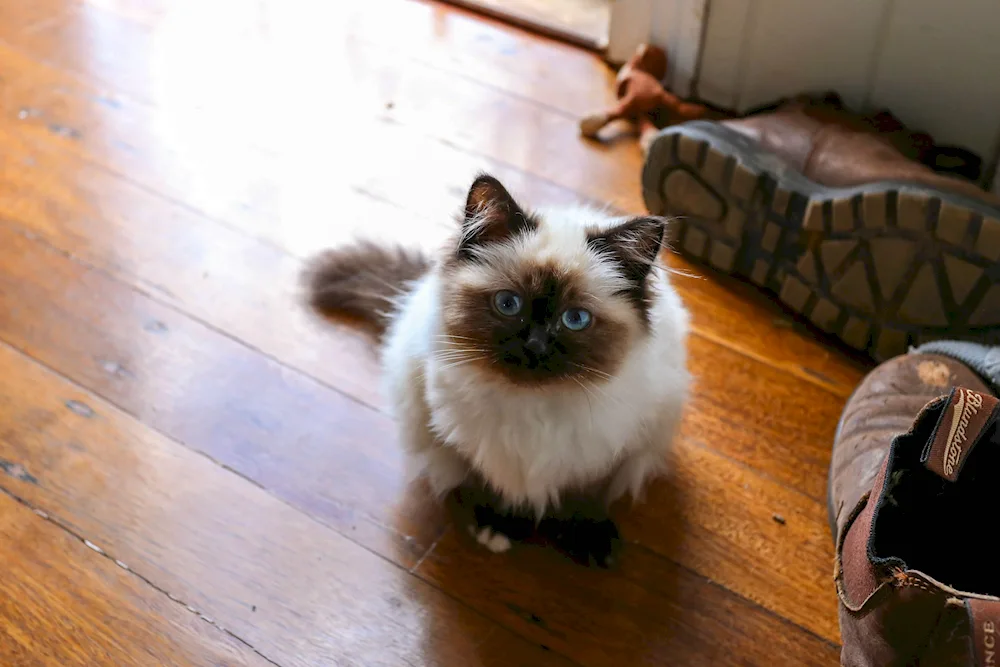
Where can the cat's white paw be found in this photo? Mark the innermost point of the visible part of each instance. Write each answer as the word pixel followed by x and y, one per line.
pixel 495 542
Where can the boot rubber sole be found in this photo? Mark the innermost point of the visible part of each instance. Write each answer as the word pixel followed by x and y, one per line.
pixel 881 266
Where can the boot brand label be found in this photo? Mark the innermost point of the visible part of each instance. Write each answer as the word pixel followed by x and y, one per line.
pixel 989 644
pixel 963 420
pixel 984 617
pixel 966 407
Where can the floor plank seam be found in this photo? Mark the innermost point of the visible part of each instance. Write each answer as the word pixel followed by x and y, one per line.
pixel 81 79
pixel 372 45
pixel 423 557
pixel 46 516
pixel 609 207
pixel 802 373
pixel 168 438
pixel 570 118
pixel 115 406
pixel 504 626
pixel 378 116
pixel 135 283
pixel 753 603
pixel 652 591
pixel 763 474
pixel 469 14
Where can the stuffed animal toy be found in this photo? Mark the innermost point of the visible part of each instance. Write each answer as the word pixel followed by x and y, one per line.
pixel 643 100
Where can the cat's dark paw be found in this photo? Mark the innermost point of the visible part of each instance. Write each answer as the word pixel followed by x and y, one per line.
pixel 497 530
pixel 493 540
pixel 589 541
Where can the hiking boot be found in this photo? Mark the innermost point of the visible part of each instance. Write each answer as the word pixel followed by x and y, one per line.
pixel 815 205
pixel 914 510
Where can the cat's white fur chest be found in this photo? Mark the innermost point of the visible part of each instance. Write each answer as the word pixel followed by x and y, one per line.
pixel 531 443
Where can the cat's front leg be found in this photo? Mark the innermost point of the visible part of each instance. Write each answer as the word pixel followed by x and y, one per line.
pixel 649 461
pixel 427 457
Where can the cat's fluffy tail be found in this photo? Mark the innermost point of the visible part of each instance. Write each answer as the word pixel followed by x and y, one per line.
pixel 364 280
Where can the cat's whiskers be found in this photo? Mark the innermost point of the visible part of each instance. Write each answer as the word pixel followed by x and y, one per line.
pixel 600 390
pixel 664 245
pixel 459 351
pixel 452 337
pixel 461 362
pixel 590 369
pixel 680 272
pixel 448 347
pixel 457 357
pixel 590 405
pixel 444 364
pixel 596 387
pixel 460 348
pixel 453 360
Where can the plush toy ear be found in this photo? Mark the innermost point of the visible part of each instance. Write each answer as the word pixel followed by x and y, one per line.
pixel 491 215
pixel 634 244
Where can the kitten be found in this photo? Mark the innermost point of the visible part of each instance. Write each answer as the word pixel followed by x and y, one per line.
pixel 537 366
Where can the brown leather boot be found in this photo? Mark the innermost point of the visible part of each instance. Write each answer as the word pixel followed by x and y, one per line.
pixel 915 511
pixel 815 205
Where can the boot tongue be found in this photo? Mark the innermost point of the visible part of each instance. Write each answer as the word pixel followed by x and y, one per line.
pixel 963 422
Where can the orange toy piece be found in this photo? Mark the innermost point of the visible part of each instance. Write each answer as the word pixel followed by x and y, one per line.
pixel 642 98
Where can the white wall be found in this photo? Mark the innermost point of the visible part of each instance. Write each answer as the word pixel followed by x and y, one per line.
pixel 630 25
pixel 935 64
pixel 679 26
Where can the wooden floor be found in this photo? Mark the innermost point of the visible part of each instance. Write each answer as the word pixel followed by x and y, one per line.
pixel 197 470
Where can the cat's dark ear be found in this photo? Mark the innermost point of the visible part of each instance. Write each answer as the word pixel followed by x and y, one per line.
pixel 491 215
pixel 634 244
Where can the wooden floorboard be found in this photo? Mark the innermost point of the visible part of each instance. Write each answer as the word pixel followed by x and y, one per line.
pixel 165 394
pixel 303 595
pixel 297 592
pixel 64 603
pixel 336 458
pixel 652 613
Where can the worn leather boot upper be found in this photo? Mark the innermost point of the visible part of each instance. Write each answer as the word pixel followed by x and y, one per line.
pixel 836 148
pixel 915 508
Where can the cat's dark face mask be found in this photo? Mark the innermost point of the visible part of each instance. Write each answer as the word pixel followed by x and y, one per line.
pixel 542 327
pixel 538 323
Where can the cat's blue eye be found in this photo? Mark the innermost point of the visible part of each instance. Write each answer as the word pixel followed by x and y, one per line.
pixel 507 303
pixel 576 319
